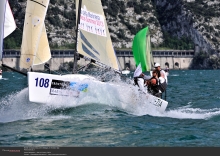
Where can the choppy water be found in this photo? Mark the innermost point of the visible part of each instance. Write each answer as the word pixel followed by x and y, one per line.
pixel 192 117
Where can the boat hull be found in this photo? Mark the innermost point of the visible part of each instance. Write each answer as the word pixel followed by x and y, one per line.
pixel 44 88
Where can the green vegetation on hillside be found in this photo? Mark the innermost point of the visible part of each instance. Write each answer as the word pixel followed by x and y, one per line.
pixel 62 20
pixel 13 41
pixel 172 42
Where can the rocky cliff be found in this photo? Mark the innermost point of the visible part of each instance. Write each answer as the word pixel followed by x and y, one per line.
pixel 196 23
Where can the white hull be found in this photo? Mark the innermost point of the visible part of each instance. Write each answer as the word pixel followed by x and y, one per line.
pixel 48 88
pixel 0 76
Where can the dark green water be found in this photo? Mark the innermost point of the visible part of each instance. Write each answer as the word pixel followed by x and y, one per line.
pixel 192 118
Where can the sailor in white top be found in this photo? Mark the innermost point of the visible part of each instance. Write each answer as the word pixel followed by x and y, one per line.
pixel 162 72
pixel 162 78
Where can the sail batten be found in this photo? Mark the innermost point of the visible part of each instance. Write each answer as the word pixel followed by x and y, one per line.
pixel 39 3
pixel 94 39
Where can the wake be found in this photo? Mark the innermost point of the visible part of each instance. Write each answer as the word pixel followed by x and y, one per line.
pixel 16 107
pixel 192 113
pixel 3 79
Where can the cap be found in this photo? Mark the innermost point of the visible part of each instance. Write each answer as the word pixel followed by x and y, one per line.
pixel 156 65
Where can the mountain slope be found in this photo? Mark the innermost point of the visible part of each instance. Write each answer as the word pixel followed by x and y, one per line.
pixel 175 24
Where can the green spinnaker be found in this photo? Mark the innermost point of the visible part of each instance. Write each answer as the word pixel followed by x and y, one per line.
pixel 141 49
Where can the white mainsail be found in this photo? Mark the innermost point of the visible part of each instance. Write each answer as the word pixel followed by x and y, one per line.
pixel 9 24
pixel 35 48
pixel 2 19
pixel 94 39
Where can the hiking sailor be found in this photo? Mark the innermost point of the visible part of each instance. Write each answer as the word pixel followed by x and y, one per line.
pixel 161 72
pixel 156 85
pixel 140 81
pixel 140 78
pixel 162 77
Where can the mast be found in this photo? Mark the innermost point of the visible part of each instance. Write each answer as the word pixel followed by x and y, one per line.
pixel 76 56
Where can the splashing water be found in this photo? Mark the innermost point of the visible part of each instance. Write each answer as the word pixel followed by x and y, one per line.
pixel 116 94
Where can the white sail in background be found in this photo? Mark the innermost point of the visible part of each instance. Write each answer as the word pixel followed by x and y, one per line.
pixel 9 25
pixel 2 19
pixel 94 40
pixel 35 48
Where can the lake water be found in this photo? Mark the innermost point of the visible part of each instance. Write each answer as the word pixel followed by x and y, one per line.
pixel 192 118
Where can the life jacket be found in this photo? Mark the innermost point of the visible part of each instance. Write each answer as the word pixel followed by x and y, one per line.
pixel 153 88
pixel 158 87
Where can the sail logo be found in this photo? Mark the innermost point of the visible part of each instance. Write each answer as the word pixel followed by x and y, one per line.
pixel 92 22
pixel 35 21
pixel 28 60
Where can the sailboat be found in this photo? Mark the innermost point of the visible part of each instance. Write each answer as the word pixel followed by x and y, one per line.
pixel 93 43
pixel 7 24
pixel 143 57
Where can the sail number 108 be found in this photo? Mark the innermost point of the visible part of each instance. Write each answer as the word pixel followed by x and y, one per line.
pixel 42 82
